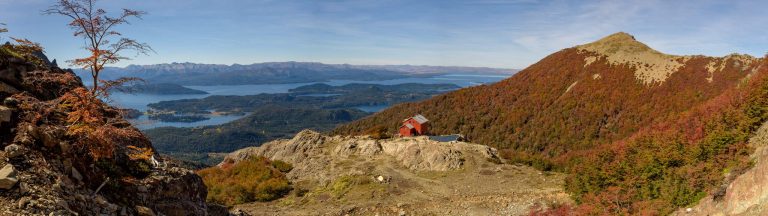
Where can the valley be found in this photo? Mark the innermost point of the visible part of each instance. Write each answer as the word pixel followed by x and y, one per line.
pixel 140 101
pixel 612 94
pixel 379 108
pixel 202 129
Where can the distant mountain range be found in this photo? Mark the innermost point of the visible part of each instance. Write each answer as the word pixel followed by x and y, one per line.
pixel 159 89
pixel 279 72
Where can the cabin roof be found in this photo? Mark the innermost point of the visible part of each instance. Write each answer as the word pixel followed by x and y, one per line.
pixel 420 119
pixel 410 126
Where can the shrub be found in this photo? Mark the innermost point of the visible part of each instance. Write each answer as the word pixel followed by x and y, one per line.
pixel 282 166
pixel 255 179
pixel 343 184
pixel 378 132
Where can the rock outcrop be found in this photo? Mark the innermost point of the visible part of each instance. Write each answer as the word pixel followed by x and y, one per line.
pixel 335 175
pixel 54 167
pixel 314 155
pixel 622 48
pixel 746 194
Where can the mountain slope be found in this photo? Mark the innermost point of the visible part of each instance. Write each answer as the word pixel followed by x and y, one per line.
pixel 65 152
pixel 676 163
pixel 637 131
pixel 594 93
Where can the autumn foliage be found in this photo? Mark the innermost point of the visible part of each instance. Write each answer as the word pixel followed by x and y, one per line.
pixel 674 163
pixel 628 147
pixel 86 118
pixel 23 49
pixel 255 179
pixel 532 114
pixel 97 29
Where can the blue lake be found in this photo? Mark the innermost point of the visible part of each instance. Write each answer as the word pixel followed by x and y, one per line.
pixel 140 101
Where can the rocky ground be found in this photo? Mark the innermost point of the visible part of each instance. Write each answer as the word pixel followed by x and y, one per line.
pixel 47 167
pixel 402 176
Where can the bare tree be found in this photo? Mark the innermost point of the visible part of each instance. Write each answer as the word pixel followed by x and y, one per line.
pixel 96 28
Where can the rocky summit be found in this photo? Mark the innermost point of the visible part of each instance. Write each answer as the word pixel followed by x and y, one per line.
pixel 50 167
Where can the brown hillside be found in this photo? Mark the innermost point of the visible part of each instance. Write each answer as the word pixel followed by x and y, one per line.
pixel 573 99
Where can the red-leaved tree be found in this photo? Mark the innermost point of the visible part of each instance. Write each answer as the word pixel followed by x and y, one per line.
pixel 97 29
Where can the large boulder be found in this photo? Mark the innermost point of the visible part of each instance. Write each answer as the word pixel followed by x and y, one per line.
pixel 171 191
pixel 8 177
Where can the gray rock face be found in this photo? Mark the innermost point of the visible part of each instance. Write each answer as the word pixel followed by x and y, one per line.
pixel 8 177
pixel 314 155
pixel 171 191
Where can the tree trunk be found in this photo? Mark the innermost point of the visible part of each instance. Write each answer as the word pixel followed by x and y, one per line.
pixel 95 83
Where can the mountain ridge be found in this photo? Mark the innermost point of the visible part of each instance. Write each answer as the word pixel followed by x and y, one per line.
pixel 395 67
pixel 580 101
pixel 279 72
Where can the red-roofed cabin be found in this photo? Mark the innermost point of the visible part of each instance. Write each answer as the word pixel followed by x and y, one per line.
pixel 414 126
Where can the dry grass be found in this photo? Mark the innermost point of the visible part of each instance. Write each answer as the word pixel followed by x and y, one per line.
pixel 621 48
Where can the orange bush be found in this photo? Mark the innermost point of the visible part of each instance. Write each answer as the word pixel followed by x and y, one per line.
pixel 85 111
pixel 255 179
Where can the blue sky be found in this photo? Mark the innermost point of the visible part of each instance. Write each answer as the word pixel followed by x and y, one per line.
pixel 492 33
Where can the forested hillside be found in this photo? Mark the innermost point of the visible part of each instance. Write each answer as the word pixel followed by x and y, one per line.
pixel 674 163
pixel 572 102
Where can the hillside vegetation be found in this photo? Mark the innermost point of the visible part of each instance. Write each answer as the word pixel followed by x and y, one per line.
pixel 604 113
pixel 255 179
pixel 674 163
